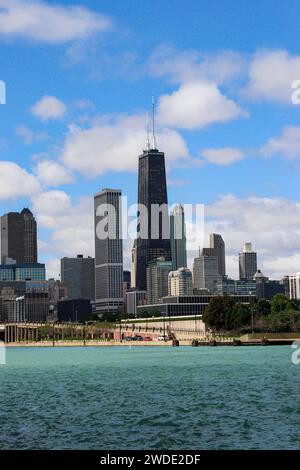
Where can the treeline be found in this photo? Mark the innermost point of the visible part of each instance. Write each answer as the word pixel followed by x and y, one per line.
pixel 279 314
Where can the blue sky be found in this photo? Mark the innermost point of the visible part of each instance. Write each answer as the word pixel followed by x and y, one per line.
pixel 79 78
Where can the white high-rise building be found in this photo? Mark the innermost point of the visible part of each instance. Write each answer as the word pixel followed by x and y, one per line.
pixel 180 282
pixel 108 251
pixel 294 286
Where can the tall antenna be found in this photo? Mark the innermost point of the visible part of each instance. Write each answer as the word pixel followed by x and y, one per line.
pixel 148 140
pixel 153 124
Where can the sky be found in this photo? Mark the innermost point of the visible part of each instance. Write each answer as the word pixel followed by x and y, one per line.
pixel 79 79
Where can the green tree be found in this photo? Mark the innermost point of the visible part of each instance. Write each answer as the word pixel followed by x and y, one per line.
pixel 239 316
pixel 218 313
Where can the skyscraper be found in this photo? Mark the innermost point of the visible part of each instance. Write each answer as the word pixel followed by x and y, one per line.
pixel 18 237
pixel 158 279
pixel 205 272
pixel 133 264
pixel 79 276
pixel 153 228
pixel 178 238
pixel 108 251
pixel 180 282
pixel 216 248
pixel 247 262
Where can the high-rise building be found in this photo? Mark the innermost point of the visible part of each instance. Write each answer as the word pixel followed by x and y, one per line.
pixel 78 274
pixel 178 238
pixel 133 299
pixel 294 284
pixel 205 272
pixel 108 251
pixel 158 279
pixel 18 237
pixel 180 282
pixel 216 248
pixel 247 262
pixel 153 225
pixel 133 264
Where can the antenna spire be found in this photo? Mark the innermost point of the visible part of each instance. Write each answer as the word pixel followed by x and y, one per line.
pixel 148 140
pixel 153 124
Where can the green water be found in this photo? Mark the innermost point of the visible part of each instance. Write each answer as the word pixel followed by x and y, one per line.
pixel 150 398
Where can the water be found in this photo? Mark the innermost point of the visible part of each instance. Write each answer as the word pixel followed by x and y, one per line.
pixel 150 398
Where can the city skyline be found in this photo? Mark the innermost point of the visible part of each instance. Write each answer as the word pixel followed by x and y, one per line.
pixel 67 133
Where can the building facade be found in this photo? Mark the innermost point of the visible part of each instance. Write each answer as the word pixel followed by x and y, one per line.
pixel 78 274
pixel 18 237
pixel 247 262
pixel 178 238
pixel 74 310
pixel 205 272
pixel 294 284
pixel 217 248
pixel 108 251
pixel 180 282
pixel 23 272
pixel 153 222
pixel 158 279
pixel 133 264
pixel 133 299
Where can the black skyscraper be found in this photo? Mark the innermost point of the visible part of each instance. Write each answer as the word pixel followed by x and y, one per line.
pixel 152 190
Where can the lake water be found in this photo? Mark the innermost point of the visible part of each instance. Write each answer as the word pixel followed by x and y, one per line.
pixel 150 398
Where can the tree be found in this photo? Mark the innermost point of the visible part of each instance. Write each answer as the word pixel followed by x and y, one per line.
pixel 218 312
pixel 263 308
pixel 240 316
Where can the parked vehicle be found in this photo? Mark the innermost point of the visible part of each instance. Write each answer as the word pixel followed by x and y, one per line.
pixel 147 338
pixel 137 338
pixel 128 338
pixel 163 338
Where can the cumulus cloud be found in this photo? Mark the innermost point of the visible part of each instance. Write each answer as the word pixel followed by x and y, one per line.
pixel 196 105
pixel 49 107
pixel 42 21
pixel 113 145
pixel 271 74
pixel 71 225
pixel 223 156
pixel 52 173
pixel 181 66
pixel 271 224
pixel 16 182
pixel 286 145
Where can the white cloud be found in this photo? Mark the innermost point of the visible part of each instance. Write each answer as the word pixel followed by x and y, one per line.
pixel 41 21
pixel 114 146
pixel 271 224
pixel 71 225
pixel 196 105
pixel 52 173
pixel 29 136
pixel 286 145
pixel 271 74
pixel 191 65
pixel 49 107
pixel 223 156
pixel 16 182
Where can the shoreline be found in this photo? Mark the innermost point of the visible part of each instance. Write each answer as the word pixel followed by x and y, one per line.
pixel 86 344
